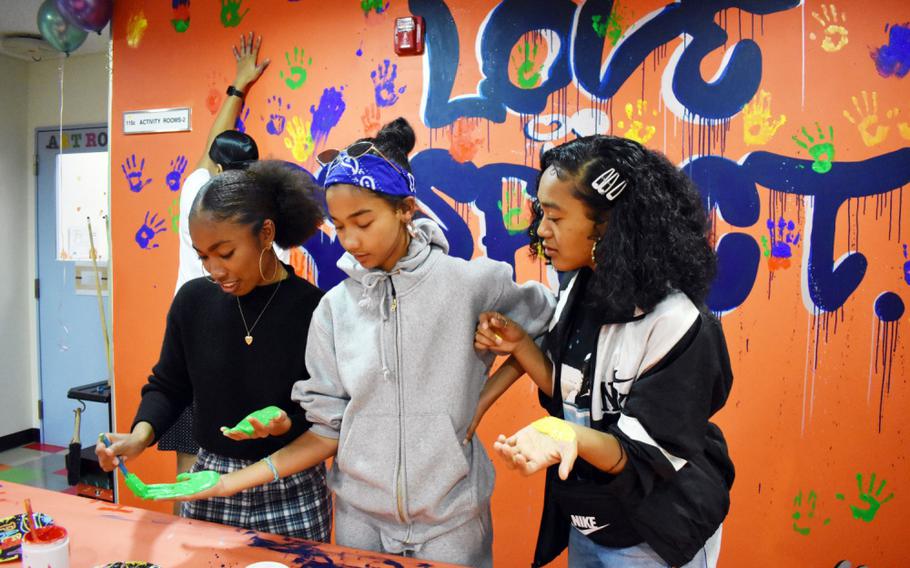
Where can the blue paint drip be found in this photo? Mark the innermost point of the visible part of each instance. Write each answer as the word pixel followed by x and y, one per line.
pixel 893 59
pixel 889 307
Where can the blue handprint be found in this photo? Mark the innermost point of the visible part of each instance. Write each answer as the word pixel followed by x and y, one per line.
pixel 384 84
pixel 148 230
pixel 277 119
pixel 783 239
pixel 242 116
pixel 178 166
pixel 134 174
pixel 331 107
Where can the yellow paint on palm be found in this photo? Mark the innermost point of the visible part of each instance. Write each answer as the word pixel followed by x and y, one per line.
pixel 555 428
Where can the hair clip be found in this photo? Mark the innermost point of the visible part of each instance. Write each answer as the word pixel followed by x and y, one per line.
pixel 608 184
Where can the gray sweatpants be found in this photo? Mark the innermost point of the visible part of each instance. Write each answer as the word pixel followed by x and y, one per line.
pixel 470 544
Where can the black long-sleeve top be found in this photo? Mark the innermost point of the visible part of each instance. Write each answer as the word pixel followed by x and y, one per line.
pixel 206 362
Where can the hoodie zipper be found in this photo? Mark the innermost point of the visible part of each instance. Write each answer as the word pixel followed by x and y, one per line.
pixel 400 479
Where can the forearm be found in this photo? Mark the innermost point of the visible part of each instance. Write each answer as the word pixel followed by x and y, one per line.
pixel 536 364
pixel 503 378
pixel 306 451
pixel 224 120
pixel 600 449
pixel 144 432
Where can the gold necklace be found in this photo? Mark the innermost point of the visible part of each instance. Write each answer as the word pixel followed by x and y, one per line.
pixel 249 329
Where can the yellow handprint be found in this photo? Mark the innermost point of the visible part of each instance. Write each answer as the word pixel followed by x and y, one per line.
pixel 135 29
pixel 758 127
pixel 832 29
pixel 637 130
pixel 868 119
pixel 300 139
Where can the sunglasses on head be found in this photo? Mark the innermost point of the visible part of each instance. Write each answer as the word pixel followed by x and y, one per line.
pixel 355 150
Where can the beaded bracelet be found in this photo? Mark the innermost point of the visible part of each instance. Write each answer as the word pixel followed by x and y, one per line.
pixel 268 462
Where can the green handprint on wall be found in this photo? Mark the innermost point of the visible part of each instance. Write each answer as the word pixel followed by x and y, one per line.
pixel 811 500
pixel 874 501
pixel 296 73
pixel 230 13
pixel 607 27
pixel 528 77
pixel 821 151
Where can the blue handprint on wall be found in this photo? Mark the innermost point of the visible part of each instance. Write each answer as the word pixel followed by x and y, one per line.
pixel 242 116
pixel 134 174
pixel 149 229
pixel 178 166
pixel 384 84
pixel 331 107
pixel 277 119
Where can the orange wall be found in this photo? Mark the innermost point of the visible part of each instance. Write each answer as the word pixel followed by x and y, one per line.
pixel 821 393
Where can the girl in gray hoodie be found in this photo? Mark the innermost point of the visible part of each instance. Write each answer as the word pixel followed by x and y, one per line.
pixel 394 376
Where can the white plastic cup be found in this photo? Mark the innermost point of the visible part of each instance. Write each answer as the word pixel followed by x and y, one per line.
pixel 46 554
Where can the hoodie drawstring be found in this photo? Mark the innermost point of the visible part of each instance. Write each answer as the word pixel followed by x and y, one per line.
pixel 373 286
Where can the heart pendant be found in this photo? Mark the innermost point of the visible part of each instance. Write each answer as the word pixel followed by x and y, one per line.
pixel 248 339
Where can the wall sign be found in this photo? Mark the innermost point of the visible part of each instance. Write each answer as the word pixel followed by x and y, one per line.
pixel 157 120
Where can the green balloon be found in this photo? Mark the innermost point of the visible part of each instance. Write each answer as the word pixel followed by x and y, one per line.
pixel 58 32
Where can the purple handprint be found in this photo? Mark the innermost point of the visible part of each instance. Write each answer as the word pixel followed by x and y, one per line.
pixel 242 116
pixel 783 239
pixel 134 174
pixel 178 166
pixel 277 120
pixel 148 230
pixel 384 84
pixel 331 107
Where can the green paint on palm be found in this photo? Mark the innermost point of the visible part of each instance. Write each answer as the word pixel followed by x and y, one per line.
pixel 188 484
pixel 263 415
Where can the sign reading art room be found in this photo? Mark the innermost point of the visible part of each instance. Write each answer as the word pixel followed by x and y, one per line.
pixel 156 120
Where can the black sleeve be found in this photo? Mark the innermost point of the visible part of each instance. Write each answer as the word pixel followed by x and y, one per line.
pixel 665 420
pixel 168 390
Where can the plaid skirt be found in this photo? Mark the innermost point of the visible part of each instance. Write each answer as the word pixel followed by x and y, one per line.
pixel 298 505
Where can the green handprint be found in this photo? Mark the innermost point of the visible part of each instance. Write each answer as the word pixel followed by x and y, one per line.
pixel 187 484
pixel 263 415
pixel 810 501
pixel 607 27
pixel 297 70
pixel 173 211
pixel 822 152
pixel 874 501
pixel 230 17
pixel 528 78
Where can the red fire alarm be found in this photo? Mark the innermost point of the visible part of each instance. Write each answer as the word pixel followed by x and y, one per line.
pixel 409 35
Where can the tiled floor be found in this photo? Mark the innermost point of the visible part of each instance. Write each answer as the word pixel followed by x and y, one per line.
pixel 38 465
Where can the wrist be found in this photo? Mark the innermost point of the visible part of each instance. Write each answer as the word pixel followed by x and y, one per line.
pixel 525 345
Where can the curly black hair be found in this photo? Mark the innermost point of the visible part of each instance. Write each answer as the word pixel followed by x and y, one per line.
pixel 268 189
pixel 656 234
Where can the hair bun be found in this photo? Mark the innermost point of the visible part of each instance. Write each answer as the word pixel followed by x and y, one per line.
pixel 399 134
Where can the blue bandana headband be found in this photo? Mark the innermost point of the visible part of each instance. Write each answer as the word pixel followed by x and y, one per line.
pixel 370 172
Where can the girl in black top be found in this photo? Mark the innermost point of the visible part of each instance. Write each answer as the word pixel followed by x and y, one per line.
pixel 632 369
pixel 235 343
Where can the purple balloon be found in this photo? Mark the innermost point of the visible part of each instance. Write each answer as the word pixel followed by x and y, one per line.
pixel 90 15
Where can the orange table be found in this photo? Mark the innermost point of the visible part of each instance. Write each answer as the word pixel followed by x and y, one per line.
pixel 102 532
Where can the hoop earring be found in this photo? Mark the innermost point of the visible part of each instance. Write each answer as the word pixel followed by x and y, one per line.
pixel 594 253
pixel 275 273
pixel 411 229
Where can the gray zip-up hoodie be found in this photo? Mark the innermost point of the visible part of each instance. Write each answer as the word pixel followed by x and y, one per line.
pixel 395 378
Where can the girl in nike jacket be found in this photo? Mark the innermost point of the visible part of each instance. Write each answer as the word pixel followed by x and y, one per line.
pixel 632 367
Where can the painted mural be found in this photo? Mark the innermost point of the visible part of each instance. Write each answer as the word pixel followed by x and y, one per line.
pixel 793 118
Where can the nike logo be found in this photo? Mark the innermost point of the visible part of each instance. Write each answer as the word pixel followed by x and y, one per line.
pixel 586 525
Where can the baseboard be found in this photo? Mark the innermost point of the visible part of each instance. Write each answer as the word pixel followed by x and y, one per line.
pixel 17 439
